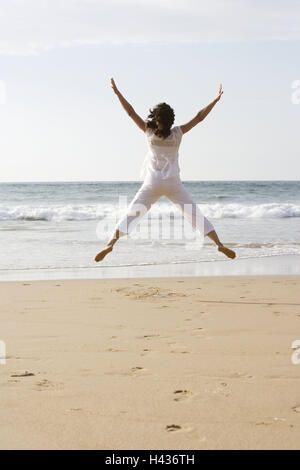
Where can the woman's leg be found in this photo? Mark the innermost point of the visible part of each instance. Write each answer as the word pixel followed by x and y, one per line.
pixel 214 237
pixel 181 198
pixel 110 244
pixel 139 206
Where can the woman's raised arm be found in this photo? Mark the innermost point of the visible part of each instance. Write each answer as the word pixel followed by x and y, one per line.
pixel 202 114
pixel 128 108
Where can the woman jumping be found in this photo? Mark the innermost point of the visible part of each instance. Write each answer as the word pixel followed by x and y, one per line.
pixel 161 172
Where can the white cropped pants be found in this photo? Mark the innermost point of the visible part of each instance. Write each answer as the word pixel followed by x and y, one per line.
pixel 150 191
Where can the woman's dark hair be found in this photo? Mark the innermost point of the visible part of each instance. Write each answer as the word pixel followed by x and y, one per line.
pixel 161 119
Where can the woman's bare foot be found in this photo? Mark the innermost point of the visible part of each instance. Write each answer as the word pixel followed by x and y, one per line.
pixel 229 253
pixel 103 253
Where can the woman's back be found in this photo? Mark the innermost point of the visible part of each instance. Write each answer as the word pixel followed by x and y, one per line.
pixel 164 146
pixel 162 157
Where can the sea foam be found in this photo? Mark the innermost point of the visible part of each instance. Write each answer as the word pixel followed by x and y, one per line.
pixel 100 211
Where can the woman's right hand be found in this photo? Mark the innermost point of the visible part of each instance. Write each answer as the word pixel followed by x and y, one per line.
pixel 113 85
pixel 220 92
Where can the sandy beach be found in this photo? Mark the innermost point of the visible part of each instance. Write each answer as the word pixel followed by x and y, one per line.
pixel 161 363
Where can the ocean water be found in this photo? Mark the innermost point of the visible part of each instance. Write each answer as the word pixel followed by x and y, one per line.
pixel 61 226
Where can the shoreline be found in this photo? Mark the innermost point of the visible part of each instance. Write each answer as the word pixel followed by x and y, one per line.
pixel 279 265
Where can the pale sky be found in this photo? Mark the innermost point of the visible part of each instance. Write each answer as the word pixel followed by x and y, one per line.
pixel 60 120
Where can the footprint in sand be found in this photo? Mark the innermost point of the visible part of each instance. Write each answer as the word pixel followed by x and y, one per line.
pixel 296 409
pixel 197 332
pixel 145 352
pixel 176 428
pixel 47 384
pixel 173 427
pixel 148 293
pixel 182 395
pixel 115 350
pixel 74 409
pixel 263 423
pixel 23 374
pixel 136 368
pixel 221 390
pixel 147 336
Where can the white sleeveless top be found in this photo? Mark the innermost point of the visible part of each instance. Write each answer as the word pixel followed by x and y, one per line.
pixel 162 157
